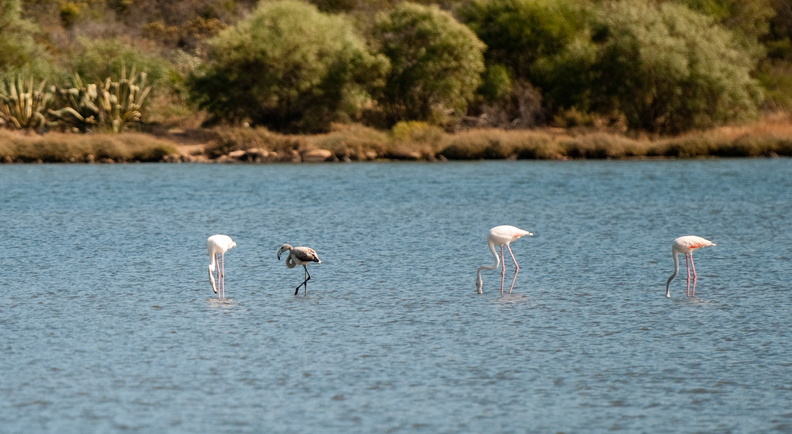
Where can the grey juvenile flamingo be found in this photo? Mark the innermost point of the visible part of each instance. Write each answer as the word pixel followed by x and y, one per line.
pixel 300 256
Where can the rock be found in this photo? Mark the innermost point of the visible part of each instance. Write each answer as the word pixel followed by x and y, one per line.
pixel 237 155
pixel 317 155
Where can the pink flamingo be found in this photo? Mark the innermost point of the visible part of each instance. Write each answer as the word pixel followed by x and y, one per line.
pixel 501 236
pixel 686 245
pixel 218 245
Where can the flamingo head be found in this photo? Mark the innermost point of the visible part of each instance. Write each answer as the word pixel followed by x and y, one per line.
pixel 283 248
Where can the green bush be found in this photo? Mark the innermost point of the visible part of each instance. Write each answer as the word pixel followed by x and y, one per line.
pixel 436 64
pixel 666 68
pixel 95 60
pixel 19 53
pixel 288 66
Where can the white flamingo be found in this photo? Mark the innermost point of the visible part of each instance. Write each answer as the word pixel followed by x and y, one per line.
pixel 686 245
pixel 501 236
pixel 218 245
pixel 300 256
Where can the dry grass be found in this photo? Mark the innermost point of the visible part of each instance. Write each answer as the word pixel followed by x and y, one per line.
pixel 772 136
pixel 62 147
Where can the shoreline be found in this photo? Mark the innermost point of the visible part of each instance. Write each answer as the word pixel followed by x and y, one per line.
pixel 768 137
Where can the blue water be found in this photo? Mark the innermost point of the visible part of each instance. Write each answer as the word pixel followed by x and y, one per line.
pixel 109 323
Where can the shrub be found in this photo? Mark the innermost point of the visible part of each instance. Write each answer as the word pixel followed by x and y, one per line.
pixel 666 68
pixel 288 66
pixel 436 63
pixel 19 53
pixel 97 59
pixel 353 142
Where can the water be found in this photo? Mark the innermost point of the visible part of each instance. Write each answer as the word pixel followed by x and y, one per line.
pixel 109 323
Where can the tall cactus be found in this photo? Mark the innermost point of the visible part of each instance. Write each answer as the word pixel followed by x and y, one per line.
pixel 23 104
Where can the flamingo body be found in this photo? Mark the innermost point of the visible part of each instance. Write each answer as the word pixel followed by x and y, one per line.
pixel 300 256
pixel 686 245
pixel 501 236
pixel 218 245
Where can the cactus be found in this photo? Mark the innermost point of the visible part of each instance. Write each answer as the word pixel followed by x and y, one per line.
pixel 23 104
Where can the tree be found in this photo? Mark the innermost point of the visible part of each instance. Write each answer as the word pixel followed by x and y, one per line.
pixel 288 66
pixel 436 64
pixel 518 32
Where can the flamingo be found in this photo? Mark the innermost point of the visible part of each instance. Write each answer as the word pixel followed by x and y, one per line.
pixel 300 256
pixel 501 236
pixel 686 245
pixel 218 245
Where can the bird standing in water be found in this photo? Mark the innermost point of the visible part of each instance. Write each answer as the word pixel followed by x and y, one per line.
pixel 501 236
pixel 300 256
pixel 686 245
pixel 218 245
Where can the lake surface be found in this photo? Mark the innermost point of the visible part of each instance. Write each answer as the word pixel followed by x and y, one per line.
pixel 109 323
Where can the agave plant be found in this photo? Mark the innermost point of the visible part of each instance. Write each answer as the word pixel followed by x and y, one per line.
pixel 78 108
pixel 121 101
pixel 112 104
pixel 23 103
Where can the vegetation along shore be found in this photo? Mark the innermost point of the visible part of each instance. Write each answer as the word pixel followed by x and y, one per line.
pixel 359 80
pixel 771 137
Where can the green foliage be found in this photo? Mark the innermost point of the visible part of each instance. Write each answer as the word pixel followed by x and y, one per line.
pixel 497 82
pixel 288 66
pixel 23 104
pixel 69 14
pixel 519 32
pixel 747 19
pixel 97 59
pixel 19 54
pixel 415 131
pixel 436 64
pixel 666 68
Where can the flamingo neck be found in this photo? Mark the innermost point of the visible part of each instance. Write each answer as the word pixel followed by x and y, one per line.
pixel 212 261
pixel 676 271
pixel 212 267
pixel 479 280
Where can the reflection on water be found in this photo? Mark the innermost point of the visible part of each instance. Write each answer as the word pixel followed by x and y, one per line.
pixel 110 323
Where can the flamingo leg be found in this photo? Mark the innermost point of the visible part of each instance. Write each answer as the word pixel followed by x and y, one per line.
pixel 307 276
pixel 514 279
pixel 503 269
pixel 516 265
pixel 687 267
pixel 516 268
pixel 221 271
pixel 217 274
pixel 695 276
